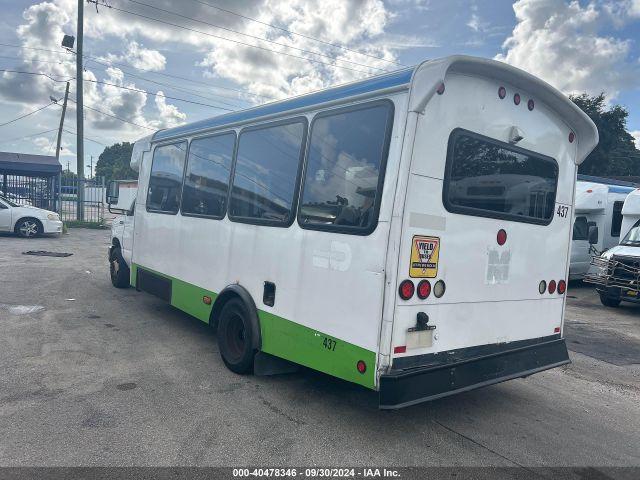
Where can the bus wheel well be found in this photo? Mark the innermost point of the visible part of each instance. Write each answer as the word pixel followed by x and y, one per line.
pixel 237 291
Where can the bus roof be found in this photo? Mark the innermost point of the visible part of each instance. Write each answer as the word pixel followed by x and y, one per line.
pixel 390 81
pixel 609 181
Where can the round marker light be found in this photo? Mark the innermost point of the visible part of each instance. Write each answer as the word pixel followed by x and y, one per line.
pixel 562 287
pixel 501 237
pixel 502 92
pixel 424 289
pixel 439 288
pixel 440 89
pixel 361 366
pixel 530 104
pixel 552 286
pixel 542 287
pixel 516 99
pixel 572 137
pixel 406 289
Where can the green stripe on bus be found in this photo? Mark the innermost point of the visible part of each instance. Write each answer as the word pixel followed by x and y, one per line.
pixel 283 338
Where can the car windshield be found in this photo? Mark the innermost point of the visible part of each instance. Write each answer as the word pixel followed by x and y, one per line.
pixel 8 202
pixel 633 237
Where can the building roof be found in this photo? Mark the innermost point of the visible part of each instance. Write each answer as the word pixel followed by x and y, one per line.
pixel 391 80
pixel 27 164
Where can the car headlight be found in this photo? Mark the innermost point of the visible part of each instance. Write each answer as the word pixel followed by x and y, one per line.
pixel 53 216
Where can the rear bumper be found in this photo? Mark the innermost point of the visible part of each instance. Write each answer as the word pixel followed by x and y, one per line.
pixel 402 388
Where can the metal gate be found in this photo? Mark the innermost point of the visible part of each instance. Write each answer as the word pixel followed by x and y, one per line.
pixel 82 200
pixel 27 190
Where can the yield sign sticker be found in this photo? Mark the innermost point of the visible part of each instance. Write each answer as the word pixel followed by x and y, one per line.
pixel 424 257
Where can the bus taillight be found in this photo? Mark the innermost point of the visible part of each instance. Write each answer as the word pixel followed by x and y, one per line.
pixel 424 289
pixel 562 287
pixel 406 290
pixel 552 286
pixel 361 366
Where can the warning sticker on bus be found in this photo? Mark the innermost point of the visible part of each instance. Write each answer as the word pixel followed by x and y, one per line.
pixel 424 257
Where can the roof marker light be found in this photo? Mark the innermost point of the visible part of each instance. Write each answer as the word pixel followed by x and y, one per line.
pixel 502 92
pixel 440 89
pixel 530 104
pixel 501 237
pixel 572 137
pixel 516 99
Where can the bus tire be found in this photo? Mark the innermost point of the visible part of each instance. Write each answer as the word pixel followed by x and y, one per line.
pixel 607 301
pixel 235 337
pixel 118 269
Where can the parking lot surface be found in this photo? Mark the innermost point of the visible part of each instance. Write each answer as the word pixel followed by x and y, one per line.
pixel 92 375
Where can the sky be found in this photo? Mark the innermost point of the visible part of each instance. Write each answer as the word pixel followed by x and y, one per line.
pixel 151 64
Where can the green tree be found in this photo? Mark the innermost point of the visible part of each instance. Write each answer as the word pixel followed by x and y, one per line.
pixel 113 163
pixel 616 154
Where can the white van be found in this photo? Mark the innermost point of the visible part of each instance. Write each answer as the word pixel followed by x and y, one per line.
pixel 598 213
pixel 409 232
pixel 617 271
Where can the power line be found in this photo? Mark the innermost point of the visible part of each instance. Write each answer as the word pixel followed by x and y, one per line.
pixel 36 73
pixel 341 47
pixel 313 60
pixel 58 62
pixel 85 137
pixel 7 140
pixel 101 82
pixel 26 114
pixel 255 37
pixel 114 116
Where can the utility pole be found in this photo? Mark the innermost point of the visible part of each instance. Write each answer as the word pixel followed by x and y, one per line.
pixel 79 114
pixel 64 110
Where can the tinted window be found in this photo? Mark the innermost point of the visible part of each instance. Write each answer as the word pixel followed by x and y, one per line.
pixel 345 169
pixel 165 182
pixel 580 229
pixel 616 219
pixel 266 172
pixel 492 179
pixel 206 180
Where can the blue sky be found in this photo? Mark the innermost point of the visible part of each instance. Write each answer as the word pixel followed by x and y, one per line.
pixel 212 64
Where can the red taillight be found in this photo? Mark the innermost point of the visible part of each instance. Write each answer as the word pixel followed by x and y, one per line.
pixel 530 104
pixel 406 289
pixel 562 287
pixel 361 366
pixel 502 92
pixel 401 349
pixel 556 330
pixel 501 237
pixel 572 137
pixel 424 289
pixel 552 286
pixel 440 89
pixel 516 99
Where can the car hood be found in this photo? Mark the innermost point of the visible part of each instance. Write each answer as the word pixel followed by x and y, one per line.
pixel 31 211
pixel 625 250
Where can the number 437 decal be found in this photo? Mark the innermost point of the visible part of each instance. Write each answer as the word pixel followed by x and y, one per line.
pixel 562 211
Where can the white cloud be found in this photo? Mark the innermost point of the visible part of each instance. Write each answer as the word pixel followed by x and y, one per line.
pixel 559 42
pixel 141 58
pixel 169 115
pixel 636 136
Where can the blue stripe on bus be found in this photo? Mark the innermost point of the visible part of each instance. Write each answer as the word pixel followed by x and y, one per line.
pixel 391 80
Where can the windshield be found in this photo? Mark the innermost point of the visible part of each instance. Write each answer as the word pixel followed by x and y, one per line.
pixel 8 202
pixel 633 237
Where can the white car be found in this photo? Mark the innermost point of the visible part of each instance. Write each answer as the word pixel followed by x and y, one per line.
pixel 27 221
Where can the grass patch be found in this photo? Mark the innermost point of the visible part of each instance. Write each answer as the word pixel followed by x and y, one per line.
pixel 77 224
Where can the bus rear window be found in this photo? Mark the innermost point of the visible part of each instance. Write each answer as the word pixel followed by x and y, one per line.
pixel 488 178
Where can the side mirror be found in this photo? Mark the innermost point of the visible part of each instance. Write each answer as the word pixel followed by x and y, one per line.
pixel 593 234
pixel 113 192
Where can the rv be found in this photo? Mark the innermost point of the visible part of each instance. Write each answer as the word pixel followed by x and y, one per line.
pixel 408 232
pixel 598 219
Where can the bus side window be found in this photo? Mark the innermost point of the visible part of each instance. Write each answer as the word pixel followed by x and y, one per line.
pixel 266 173
pixel 345 169
pixel 616 219
pixel 206 179
pixel 580 229
pixel 165 182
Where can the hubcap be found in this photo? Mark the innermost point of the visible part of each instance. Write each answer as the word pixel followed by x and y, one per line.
pixel 28 228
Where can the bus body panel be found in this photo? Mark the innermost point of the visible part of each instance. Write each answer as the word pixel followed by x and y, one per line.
pixel 318 275
pixel 491 292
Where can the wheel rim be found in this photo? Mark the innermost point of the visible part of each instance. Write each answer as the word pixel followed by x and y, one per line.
pixel 235 338
pixel 28 228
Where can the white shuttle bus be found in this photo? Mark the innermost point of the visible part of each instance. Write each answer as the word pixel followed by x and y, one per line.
pixel 598 219
pixel 409 232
